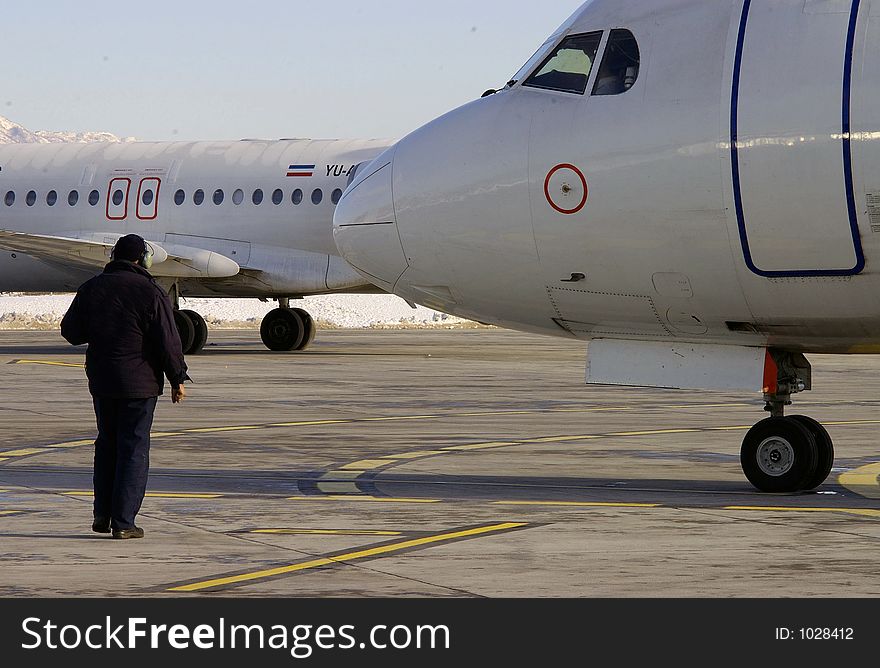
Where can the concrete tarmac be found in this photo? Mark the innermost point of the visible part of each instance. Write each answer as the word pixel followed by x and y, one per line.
pixel 431 463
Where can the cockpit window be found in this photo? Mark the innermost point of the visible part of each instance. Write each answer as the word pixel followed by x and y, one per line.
pixel 567 69
pixel 620 65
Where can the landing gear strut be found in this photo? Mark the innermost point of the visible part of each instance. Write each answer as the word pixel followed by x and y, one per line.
pixel 786 454
pixel 286 329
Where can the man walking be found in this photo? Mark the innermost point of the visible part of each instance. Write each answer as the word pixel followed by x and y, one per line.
pixel 128 322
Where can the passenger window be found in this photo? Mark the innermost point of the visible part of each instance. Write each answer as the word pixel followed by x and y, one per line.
pixel 258 197
pixel 10 198
pixel 567 69
pixel 94 198
pixel 73 198
pixel 277 197
pixel 297 197
pixel 218 197
pixel 118 196
pixel 336 196
pixel 198 197
pixel 238 197
pixel 51 198
pixel 147 197
pixel 317 196
pixel 31 198
pixel 179 197
pixel 620 65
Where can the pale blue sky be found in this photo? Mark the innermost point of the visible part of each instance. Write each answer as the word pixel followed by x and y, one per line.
pixel 232 69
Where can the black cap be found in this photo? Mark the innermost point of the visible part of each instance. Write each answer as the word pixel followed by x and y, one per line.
pixel 131 248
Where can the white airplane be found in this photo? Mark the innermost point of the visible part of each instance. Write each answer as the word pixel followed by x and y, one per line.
pixel 692 186
pixel 231 219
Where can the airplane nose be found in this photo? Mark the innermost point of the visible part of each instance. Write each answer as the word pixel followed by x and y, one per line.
pixel 365 225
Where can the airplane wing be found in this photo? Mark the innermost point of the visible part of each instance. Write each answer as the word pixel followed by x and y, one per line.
pixel 94 253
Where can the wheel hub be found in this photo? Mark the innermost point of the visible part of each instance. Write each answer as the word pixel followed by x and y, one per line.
pixel 775 456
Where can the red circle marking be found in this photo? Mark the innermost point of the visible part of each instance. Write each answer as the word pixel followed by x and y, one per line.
pixel 567 212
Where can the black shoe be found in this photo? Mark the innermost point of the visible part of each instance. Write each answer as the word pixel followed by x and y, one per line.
pixel 101 525
pixel 125 534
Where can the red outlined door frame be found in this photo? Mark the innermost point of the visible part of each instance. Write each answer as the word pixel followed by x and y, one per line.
pixel 115 184
pixel 148 211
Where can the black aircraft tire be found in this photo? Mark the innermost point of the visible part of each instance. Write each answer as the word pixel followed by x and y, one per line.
pixel 779 455
pixel 826 450
pixel 200 335
pixel 282 330
pixel 309 328
pixel 186 328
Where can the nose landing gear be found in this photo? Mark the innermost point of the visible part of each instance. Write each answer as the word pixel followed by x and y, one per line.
pixel 786 454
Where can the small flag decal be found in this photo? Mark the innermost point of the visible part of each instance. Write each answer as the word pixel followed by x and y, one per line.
pixel 301 170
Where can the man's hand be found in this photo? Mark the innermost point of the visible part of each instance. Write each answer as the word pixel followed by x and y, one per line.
pixel 178 394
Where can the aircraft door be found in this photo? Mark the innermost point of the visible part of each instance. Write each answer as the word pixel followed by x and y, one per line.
pixel 148 198
pixel 791 147
pixel 117 198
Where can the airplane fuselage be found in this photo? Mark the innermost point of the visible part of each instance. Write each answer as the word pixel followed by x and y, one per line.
pixel 266 205
pixel 728 193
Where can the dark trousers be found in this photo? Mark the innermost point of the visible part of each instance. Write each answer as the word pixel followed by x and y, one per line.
pixel 122 457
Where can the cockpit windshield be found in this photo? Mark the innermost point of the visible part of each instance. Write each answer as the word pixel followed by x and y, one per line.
pixel 620 65
pixel 567 69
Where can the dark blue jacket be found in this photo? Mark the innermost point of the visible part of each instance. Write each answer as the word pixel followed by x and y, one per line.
pixel 128 322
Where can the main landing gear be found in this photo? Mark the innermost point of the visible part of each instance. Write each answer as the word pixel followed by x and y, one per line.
pixel 193 331
pixel 786 454
pixel 283 329
pixel 286 329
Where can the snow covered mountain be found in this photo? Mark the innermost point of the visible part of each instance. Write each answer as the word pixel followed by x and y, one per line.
pixel 13 133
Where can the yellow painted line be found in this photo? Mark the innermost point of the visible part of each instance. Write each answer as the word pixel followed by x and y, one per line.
pixel 214 430
pixel 563 439
pixel 339 488
pixel 41 363
pixel 656 432
pixel 23 453
pixel 370 499
pixel 350 556
pixel 784 509
pixel 868 476
pixel 159 495
pixel 7 513
pixel 365 464
pixel 310 424
pixel 172 495
pixel 400 418
pixel 340 482
pixel 737 428
pixel 72 444
pixel 341 475
pixel 3 459
pixel 163 434
pixel 577 504
pixel 864 481
pixel 482 446
pixel 865 512
pixel 326 532
pixel 590 410
pixel 418 454
pixel 488 413
pixel 851 422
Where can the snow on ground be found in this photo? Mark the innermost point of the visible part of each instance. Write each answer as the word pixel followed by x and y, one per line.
pixel 335 311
